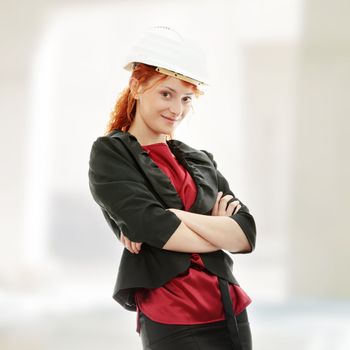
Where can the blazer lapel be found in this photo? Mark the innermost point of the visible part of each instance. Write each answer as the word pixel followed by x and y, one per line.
pixel 203 173
pixel 161 184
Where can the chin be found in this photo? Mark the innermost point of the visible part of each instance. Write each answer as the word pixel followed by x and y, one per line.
pixel 167 131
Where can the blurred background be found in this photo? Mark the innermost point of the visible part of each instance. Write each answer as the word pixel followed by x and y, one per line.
pixel 275 116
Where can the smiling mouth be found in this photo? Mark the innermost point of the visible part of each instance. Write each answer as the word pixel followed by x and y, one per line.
pixel 171 119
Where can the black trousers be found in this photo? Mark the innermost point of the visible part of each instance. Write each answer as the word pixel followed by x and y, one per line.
pixel 209 336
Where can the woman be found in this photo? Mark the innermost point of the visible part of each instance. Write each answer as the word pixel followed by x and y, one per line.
pixel 170 207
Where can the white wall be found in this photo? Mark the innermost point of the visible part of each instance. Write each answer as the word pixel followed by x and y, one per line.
pixel 278 95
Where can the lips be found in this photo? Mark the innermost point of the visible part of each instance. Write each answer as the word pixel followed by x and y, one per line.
pixel 172 119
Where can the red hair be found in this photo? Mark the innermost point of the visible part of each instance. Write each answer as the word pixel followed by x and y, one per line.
pixel 124 110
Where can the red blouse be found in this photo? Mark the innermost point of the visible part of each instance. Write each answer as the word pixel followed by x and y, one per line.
pixel 192 297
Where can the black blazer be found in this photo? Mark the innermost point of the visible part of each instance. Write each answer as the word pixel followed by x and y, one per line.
pixel 134 194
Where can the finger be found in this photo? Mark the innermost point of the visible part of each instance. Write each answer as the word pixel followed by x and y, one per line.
pixel 122 238
pixel 231 208
pixel 237 208
pixel 128 245
pixel 223 204
pixel 217 203
pixel 138 246
pixel 132 244
pixel 134 247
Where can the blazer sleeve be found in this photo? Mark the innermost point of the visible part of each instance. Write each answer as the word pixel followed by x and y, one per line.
pixel 120 188
pixel 243 217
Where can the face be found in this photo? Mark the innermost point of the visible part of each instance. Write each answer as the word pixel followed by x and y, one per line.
pixel 161 108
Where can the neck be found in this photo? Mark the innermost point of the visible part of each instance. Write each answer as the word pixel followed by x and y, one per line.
pixel 146 138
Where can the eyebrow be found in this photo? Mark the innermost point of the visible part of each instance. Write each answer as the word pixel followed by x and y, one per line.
pixel 168 87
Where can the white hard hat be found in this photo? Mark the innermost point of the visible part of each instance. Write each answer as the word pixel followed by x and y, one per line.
pixel 171 54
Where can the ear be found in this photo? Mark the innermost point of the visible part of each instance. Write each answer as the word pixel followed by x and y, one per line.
pixel 133 86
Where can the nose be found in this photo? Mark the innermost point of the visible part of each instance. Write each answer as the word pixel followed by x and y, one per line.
pixel 176 107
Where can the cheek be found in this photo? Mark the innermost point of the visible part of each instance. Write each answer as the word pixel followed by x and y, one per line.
pixel 160 105
pixel 148 110
pixel 155 105
pixel 187 109
pixel 152 112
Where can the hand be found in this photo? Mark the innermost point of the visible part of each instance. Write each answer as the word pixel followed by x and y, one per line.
pixel 222 209
pixel 132 247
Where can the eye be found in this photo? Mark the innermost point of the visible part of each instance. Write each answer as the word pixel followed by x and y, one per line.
pixel 165 93
pixel 188 99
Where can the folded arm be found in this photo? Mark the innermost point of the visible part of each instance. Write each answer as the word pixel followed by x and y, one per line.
pixel 123 194
pixel 220 231
pixel 227 228
pixel 202 233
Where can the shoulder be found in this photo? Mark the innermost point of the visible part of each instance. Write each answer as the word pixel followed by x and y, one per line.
pixel 108 139
pixel 114 142
pixel 110 152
